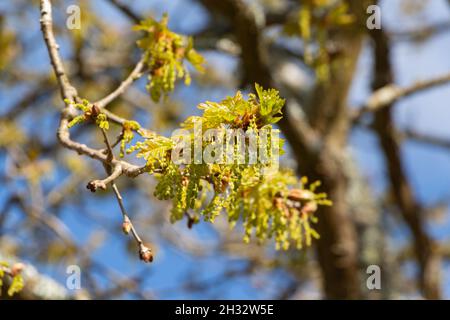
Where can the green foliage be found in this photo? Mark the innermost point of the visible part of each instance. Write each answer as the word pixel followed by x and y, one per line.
pixel 269 203
pixel 155 149
pixel 8 47
pixel 102 121
pixel 270 105
pixel 16 285
pixel 258 111
pixel 16 282
pixel 10 134
pixel 165 53
pixel 315 20
pixel 90 112
pixel 2 273
pixel 128 129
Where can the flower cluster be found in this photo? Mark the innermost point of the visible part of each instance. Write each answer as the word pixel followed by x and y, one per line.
pixel 165 52
pixel 90 112
pixel 269 203
pixel 128 129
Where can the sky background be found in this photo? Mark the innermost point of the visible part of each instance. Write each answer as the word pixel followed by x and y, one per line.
pixel 428 167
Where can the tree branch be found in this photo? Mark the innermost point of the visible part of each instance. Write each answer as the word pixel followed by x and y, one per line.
pixel 422 33
pixel 144 252
pixel 108 160
pixel 69 92
pixel 423 138
pixel 411 210
pixel 101 184
pixel 391 93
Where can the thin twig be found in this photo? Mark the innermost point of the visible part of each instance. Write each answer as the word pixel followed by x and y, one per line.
pixel 144 252
pixel 69 92
pixel 421 33
pixel 109 149
pixel 133 76
pixel 101 184
pixel 113 167
pixel 428 139
pixel 387 95
pixel 126 217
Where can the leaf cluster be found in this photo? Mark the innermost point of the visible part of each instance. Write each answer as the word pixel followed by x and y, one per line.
pixel 270 204
pixel 16 283
pixel 315 20
pixel 90 112
pixel 165 53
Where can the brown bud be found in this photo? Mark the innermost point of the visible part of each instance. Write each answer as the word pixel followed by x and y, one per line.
pixel 278 203
pixel 126 225
pixel 180 52
pixel 309 207
pixel 299 195
pixel 191 220
pixel 17 268
pixel 145 254
pixel 157 71
pixel 94 185
pixel 95 111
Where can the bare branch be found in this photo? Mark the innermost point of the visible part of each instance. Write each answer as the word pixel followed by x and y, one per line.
pixel 67 90
pixel 422 33
pixel 127 226
pixel 144 252
pixel 391 93
pixel 108 160
pixel 410 208
pixel 101 184
pixel 423 138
